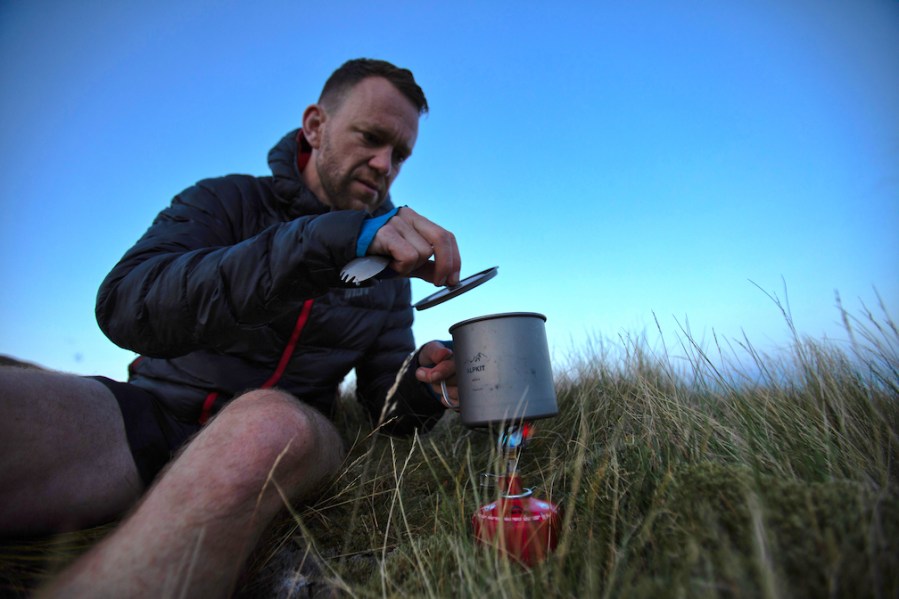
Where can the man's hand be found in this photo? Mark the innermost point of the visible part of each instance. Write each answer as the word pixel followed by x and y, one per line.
pixel 410 240
pixel 437 364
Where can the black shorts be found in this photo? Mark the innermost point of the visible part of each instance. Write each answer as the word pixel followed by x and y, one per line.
pixel 154 435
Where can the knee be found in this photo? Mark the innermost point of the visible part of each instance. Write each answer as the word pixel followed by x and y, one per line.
pixel 272 436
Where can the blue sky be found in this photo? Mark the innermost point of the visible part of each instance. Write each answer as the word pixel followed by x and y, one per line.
pixel 620 162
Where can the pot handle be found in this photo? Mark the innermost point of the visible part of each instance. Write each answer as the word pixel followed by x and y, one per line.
pixel 446 400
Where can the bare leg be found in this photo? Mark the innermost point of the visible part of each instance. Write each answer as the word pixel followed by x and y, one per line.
pixel 197 525
pixel 64 458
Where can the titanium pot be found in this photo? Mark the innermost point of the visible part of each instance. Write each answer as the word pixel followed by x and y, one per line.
pixel 503 369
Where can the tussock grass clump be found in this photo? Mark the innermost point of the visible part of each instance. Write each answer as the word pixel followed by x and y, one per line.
pixel 779 479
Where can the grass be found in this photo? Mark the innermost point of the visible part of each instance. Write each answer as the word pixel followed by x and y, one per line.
pixel 720 473
pixel 699 482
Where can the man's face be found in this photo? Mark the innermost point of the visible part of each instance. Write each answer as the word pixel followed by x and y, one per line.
pixel 362 144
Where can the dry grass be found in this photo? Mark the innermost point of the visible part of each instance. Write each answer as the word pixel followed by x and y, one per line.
pixel 777 480
pixel 732 474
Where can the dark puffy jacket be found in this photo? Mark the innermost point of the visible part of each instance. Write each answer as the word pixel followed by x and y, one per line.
pixel 236 286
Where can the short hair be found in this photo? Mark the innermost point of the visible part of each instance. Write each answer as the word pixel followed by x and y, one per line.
pixel 353 71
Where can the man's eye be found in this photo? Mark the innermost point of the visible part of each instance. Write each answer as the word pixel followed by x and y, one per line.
pixel 370 138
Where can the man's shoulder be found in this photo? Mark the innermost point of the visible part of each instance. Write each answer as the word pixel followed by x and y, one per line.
pixel 232 195
pixel 227 189
pixel 234 182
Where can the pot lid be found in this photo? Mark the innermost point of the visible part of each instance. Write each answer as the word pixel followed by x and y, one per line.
pixel 448 293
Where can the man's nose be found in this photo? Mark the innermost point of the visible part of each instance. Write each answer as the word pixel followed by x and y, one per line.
pixel 382 161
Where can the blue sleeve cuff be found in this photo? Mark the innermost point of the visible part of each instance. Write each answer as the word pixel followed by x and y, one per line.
pixel 369 228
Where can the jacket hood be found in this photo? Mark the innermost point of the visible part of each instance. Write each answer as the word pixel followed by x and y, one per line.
pixel 289 186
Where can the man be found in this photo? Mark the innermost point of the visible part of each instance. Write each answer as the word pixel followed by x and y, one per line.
pixel 236 286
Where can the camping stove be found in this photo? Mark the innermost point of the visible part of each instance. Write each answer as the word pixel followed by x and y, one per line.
pixel 517 523
pixel 505 381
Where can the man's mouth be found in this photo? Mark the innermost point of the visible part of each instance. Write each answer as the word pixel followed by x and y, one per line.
pixel 374 187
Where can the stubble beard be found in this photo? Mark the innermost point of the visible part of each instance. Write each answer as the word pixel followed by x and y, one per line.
pixel 336 185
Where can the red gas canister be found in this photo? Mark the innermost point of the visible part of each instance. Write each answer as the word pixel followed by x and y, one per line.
pixel 526 528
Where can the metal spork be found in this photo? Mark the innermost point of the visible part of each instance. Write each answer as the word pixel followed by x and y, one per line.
pixel 362 269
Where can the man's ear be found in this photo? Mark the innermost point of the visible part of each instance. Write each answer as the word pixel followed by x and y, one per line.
pixel 313 120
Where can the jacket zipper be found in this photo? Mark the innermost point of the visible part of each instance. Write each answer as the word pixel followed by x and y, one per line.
pixel 302 319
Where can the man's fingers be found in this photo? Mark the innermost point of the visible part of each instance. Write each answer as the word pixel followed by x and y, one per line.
pixel 403 244
pixel 447 261
pixel 437 363
pixel 411 240
pixel 410 248
pixel 433 353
